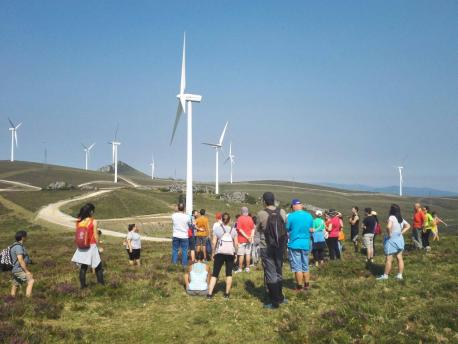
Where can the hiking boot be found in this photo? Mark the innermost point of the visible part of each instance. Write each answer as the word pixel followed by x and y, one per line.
pixel 270 306
pixel 382 278
pixel 284 302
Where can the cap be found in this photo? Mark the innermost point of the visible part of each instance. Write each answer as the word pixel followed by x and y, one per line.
pixel 318 213
pixel 295 201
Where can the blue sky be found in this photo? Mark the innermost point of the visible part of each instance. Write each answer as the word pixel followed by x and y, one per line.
pixel 325 91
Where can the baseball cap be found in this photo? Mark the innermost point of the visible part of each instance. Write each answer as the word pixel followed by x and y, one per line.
pixel 318 213
pixel 295 201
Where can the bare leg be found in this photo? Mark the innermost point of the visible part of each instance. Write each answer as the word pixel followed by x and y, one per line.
pixel 247 260
pixel 204 249
pixel 240 262
pixel 228 284
pixel 306 277
pixel 13 290
pixel 28 291
pixel 138 262
pixel 389 261
pixel 299 278
pixel 400 262
pixel 212 284
pixel 131 262
pixel 193 255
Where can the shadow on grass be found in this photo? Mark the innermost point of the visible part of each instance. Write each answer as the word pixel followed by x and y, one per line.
pixel 376 269
pixel 259 292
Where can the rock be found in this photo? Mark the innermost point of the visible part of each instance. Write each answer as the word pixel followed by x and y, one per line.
pixel 60 185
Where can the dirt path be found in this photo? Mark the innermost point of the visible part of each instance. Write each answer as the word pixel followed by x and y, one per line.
pixel 17 186
pixel 52 213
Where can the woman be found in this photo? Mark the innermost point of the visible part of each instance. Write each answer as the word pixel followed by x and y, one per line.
pixel 333 229
pixel 90 256
pixel 224 244
pixel 319 243
pixel 437 222
pixel 134 245
pixel 427 228
pixel 198 277
pixel 394 241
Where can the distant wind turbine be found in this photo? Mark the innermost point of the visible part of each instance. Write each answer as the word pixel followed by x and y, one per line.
pixel 152 167
pixel 218 146
pixel 231 159
pixel 13 130
pixel 183 100
pixel 401 179
pixel 114 145
pixel 87 150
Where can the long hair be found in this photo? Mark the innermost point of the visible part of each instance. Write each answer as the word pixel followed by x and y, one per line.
pixel 226 218
pixel 395 211
pixel 86 211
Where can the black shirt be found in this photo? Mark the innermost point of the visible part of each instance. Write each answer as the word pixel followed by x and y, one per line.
pixel 355 227
pixel 369 225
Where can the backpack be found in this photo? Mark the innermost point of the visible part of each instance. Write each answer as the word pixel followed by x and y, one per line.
pixel 377 229
pixel 226 243
pixel 6 261
pixel 82 238
pixel 275 232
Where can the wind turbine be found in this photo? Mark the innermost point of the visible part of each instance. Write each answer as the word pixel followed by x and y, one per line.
pixel 230 158
pixel 87 151
pixel 183 100
pixel 152 168
pixel 218 147
pixel 401 179
pixel 114 145
pixel 13 130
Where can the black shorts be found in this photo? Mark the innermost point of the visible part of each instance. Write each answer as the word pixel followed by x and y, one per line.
pixel 192 243
pixel 134 255
pixel 221 259
pixel 354 234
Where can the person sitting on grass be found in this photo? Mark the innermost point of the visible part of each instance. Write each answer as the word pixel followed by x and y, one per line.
pixel 197 277
pixel 394 241
pixel 20 259
pixel 224 245
pixel 134 245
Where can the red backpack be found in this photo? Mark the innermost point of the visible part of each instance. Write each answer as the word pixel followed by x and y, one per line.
pixel 82 237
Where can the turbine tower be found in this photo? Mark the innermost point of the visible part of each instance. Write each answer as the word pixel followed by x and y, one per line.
pixel 231 159
pixel 114 145
pixel 152 168
pixel 218 147
pixel 13 130
pixel 87 151
pixel 185 101
pixel 401 179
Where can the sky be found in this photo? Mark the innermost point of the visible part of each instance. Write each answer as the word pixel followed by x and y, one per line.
pixel 322 91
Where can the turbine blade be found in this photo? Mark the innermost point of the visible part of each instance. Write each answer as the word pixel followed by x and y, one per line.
pixel 84 146
pixel 11 122
pixel 177 120
pixel 17 127
pixel 91 146
pixel 214 145
pixel 222 134
pixel 230 149
pixel 116 132
pixel 183 67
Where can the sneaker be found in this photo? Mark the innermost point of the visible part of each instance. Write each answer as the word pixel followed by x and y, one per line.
pixel 226 296
pixel 209 297
pixel 428 249
pixel 238 271
pixel 247 270
pixel 382 278
pixel 399 277
pixel 270 306
pixel 284 302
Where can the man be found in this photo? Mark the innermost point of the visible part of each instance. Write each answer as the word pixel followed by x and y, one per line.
pixel 180 238
pixel 245 231
pixel 427 228
pixel 20 259
pixel 369 224
pixel 192 236
pixel 202 232
pixel 418 222
pixel 354 227
pixel 299 225
pixel 272 248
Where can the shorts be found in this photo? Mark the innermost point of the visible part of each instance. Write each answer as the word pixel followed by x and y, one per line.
pixel 299 260
pixel 20 278
pixel 244 249
pixel 220 260
pixel 201 240
pixel 135 254
pixel 368 240
pixel 197 292
pixel 192 243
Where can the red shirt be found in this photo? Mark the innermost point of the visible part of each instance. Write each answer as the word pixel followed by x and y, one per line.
pixel 335 227
pixel 418 219
pixel 246 223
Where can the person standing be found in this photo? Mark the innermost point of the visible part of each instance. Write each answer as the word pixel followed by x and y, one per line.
pixel 394 242
pixel 245 231
pixel 418 221
pixel 319 242
pixel 354 227
pixel 20 260
pixel 224 244
pixel 273 239
pixel 192 235
pixel 333 228
pixel 428 226
pixel 91 256
pixel 202 230
pixel 299 225
pixel 369 224
pixel 180 240
pixel 437 222
pixel 134 245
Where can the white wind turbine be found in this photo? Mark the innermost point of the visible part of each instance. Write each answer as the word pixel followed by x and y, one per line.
pixel 401 179
pixel 114 145
pixel 218 147
pixel 13 130
pixel 185 101
pixel 87 150
pixel 153 166
pixel 231 159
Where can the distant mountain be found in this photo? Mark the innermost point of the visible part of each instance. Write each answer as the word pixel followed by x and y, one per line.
pixel 407 190
pixel 124 170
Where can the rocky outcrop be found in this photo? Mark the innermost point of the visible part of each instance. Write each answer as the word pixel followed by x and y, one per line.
pixel 60 185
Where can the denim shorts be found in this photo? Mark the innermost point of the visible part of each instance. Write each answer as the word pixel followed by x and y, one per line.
pixel 299 260
pixel 192 243
pixel 201 240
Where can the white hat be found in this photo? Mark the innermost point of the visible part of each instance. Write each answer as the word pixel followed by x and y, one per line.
pixel 318 213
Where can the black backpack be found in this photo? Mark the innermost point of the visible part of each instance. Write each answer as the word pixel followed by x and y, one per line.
pixel 6 261
pixel 275 232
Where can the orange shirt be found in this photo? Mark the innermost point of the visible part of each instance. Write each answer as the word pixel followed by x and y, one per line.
pixel 202 223
pixel 418 219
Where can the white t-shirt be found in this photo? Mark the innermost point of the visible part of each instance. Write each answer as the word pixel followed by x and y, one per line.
pixel 135 240
pixel 396 227
pixel 180 224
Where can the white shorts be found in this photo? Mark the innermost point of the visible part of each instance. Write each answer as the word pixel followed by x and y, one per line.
pixel 244 249
pixel 368 240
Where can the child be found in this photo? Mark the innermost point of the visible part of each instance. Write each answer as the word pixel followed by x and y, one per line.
pixel 436 223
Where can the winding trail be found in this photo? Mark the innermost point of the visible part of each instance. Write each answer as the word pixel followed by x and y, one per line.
pixel 52 213
pixel 19 186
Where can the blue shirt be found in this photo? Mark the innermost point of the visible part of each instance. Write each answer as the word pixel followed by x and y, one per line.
pixel 298 225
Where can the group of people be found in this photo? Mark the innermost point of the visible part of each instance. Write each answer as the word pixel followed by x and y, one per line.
pixel 268 237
